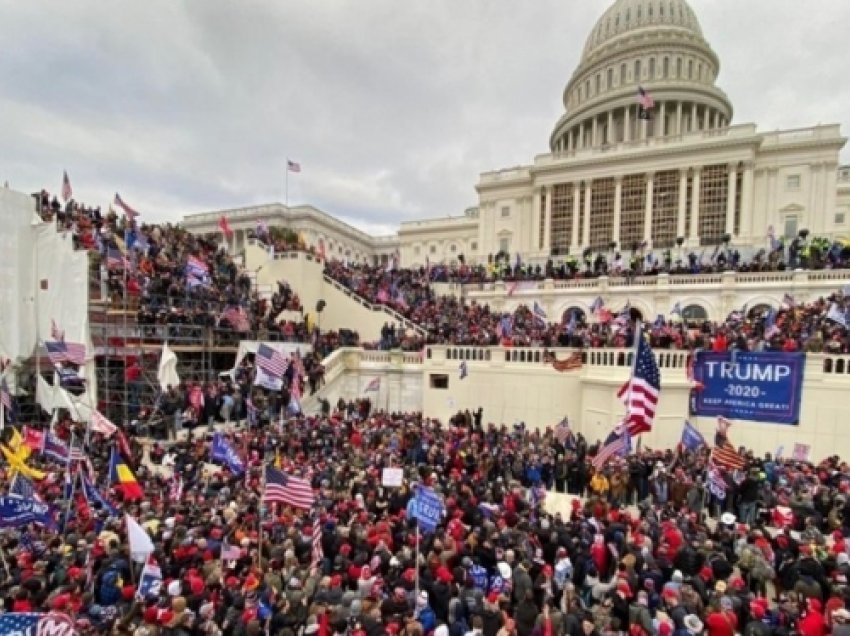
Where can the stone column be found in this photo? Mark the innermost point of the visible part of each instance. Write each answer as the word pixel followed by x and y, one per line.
pixel 679 130
pixel 716 119
pixel 547 220
pixel 694 125
pixel 576 210
pixel 694 231
pixel 585 234
pixel 610 134
pixel 747 201
pixel 581 135
pixel 683 201
pixel 661 123
pixel 536 221
pixel 618 206
pixel 594 132
pixel 706 119
pixel 647 214
pixel 731 193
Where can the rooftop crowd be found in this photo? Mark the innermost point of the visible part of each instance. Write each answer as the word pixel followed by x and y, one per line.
pixel 500 563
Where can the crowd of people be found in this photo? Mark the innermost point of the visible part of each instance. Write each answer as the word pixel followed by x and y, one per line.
pixel 503 560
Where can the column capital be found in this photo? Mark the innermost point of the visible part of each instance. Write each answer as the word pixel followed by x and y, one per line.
pixel 618 179
pixel 749 164
pixel 696 170
pixel 733 166
pixel 650 175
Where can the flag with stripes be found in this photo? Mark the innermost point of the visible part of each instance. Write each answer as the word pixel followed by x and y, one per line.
pixel 230 552
pixel 715 482
pixel 617 444
pixel 60 351
pixel 645 103
pixel 128 211
pixel 317 552
pixel 100 424
pixel 374 385
pixel 237 318
pixel 54 447
pixel 641 391
pixel 22 486
pixel 271 361
pixel 563 432
pixel 539 313
pixel 724 453
pixel 293 166
pixel 67 191
pixel 175 489
pixel 196 266
pixel 150 582
pixel 286 489
pixel 115 259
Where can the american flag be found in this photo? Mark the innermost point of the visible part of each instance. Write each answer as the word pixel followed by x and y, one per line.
pixel 640 392
pixel 570 363
pixel 237 318
pixel 318 552
pixel 617 443
pixel 100 424
pixel 130 212
pixel 645 99
pixel 5 397
pixel 563 432
pixel 230 552
pixel 293 166
pixel 463 369
pixel 286 489
pixel 715 482
pixel 374 385
pixel 197 267
pixel 539 313
pixel 61 351
pixel 724 453
pixel 55 448
pixel 115 259
pixel 271 361
pixel 66 187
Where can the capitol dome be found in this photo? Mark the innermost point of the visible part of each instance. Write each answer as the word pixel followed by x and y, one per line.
pixel 657 45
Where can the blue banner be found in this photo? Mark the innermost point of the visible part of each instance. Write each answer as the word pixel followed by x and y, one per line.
pixel 428 509
pixel 761 387
pixel 17 511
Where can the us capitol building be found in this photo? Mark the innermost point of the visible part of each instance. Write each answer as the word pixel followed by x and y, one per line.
pixel 686 176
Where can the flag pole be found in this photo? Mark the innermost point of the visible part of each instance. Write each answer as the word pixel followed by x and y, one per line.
pixel 286 184
pixel 260 518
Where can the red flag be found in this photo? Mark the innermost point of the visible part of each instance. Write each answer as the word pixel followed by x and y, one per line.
pixel 66 187
pixel 224 226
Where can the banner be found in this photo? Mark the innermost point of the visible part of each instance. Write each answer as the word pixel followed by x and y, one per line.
pixel 222 451
pixel 761 387
pixel 16 512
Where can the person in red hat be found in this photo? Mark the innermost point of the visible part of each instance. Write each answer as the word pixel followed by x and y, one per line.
pixel 813 622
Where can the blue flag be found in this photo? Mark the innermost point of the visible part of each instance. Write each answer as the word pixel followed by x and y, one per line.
pixel 22 486
pixel 17 511
pixel 692 439
pixel 150 581
pixel 37 624
pixel 428 509
pixel 223 451
pixel 93 495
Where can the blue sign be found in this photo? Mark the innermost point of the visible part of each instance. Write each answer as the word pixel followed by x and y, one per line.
pixel 761 387
pixel 222 451
pixel 428 509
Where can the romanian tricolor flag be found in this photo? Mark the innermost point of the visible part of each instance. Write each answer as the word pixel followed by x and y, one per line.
pixel 122 477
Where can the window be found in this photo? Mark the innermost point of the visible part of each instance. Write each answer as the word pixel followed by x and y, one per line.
pixel 665 208
pixel 790 227
pixel 679 68
pixel 433 249
pixel 665 70
pixel 506 211
pixel 417 250
pixel 637 70
pixel 651 68
pixel 438 381
pixel 601 213
pixel 649 11
pixel 587 89
pixel 453 248
pixel 694 313
pixel 699 71
pixel 622 74
pixel 792 182
pixel 690 69
pixel 609 79
pixel 560 234
pixel 505 245
pixel 839 218
pixel 628 15
pixel 598 83
pixel 632 209
pixel 473 246
pixel 714 186
pixel 661 10
pixel 640 12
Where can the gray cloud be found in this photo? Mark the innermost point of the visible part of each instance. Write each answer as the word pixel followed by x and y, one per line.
pixel 392 108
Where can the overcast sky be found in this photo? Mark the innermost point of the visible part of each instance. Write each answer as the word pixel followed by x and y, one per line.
pixel 392 107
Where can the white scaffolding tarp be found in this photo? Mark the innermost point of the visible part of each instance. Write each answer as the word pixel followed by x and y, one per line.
pixel 17 275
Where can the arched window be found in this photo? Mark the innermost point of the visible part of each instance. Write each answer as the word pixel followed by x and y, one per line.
pixel 758 311
pixel 661 10
pixel 578 312
pixel 690 69
pixel 679 68
pixel 622 74
pixel 694 313
pixel 665 70
pixel 598 83
pixel 609 79
pixel 637 70
pixel 652 68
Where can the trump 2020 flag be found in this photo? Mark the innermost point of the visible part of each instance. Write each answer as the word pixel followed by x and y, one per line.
pixel 223 451
pixel 692 439
pixel 151 579
pixel 36 624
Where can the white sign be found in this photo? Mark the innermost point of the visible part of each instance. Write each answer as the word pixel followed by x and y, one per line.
pixel 392 477
pixel 801 452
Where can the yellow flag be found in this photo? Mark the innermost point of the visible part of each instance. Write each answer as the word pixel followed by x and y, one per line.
pixel 16 443
pixel 17 463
